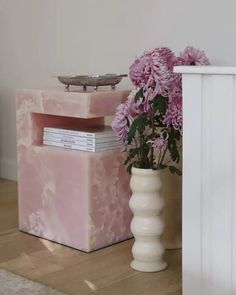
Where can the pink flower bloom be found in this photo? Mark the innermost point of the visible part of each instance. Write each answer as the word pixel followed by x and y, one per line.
pixel 180 61
pixel 164 61
pixel 154 69
pixel 159 142
pixel 176 87
pixel 143 104
pixel 141 70
pixel 173 115
pixel 122 121
pixel 193 56
pixel 134 107
pixel 124 117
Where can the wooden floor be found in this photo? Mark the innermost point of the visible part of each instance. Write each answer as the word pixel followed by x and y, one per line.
pixel 103 272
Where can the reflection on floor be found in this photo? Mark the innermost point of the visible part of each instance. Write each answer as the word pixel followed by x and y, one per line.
pixel 103 272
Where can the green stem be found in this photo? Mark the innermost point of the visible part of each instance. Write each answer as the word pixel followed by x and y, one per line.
pixel 138 155
pixel 167 162
pixel 141 152
pixel 153 131
pixel 162 158
pixel 159 158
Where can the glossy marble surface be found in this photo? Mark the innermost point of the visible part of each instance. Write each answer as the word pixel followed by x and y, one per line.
pixel 75 198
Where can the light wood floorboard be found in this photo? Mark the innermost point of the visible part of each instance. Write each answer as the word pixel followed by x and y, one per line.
pixel 103 272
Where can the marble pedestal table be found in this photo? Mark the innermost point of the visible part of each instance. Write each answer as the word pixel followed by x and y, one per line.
pixel 75 198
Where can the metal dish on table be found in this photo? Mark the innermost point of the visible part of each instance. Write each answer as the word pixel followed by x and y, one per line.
pixel 91 80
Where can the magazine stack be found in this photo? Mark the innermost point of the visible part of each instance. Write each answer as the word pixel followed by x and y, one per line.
pixel 90 139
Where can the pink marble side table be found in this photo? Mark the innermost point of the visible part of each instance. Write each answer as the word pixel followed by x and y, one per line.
pixel 79 199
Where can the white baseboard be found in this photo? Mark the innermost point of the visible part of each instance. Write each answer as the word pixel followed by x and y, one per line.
pixel 8 169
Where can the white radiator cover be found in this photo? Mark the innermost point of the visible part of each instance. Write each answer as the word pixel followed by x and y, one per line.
pixel 209 180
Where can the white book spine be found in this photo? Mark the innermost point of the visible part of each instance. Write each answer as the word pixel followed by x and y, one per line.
pixel 81 143
pixel 79 133
pixel 72 138
pixel 79 147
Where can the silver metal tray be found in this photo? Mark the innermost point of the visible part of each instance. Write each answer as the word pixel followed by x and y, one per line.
pixel 92 80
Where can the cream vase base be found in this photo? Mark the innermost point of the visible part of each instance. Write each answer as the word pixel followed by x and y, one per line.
pixel 147 266
pixel 147 225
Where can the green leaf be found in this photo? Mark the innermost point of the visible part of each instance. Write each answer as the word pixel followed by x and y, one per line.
pixel 138 95
pixel 173 149
pixel 144 159
pixel 173 169
pixel 160 166
pixel 131 155
pixel 139 124
pixel 175 134
pixel 159 104
pixel 129 167
pixel 175 152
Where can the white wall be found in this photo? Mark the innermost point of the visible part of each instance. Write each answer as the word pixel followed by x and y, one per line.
pixel 40 38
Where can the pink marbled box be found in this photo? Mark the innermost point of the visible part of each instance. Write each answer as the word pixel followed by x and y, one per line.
pixel 79 199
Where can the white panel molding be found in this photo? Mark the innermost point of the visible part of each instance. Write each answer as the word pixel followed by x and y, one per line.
pixel 209 179
pixel 206 70
pixel 233 205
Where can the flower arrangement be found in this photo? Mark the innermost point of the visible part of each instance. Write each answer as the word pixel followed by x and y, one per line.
pixel 149 122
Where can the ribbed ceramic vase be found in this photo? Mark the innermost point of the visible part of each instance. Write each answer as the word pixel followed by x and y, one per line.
pixel 147 225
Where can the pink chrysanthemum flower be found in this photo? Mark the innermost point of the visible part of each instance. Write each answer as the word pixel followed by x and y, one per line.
pixel 159 142
pixel 173 115
pixel 176 87
pixel 124 117
pixel 193 56
pixel 143 104
pixel 164 61
pixel 154 69
pixel 180 61
pixel 133 106
pixel 122 121
pixel 141 70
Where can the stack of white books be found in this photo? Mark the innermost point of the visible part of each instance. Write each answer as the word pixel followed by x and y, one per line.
pixel 90 139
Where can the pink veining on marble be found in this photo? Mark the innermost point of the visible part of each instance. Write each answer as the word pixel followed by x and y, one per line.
pixel 75 198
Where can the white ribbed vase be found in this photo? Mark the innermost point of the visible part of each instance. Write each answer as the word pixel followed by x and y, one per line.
pixel 147 226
